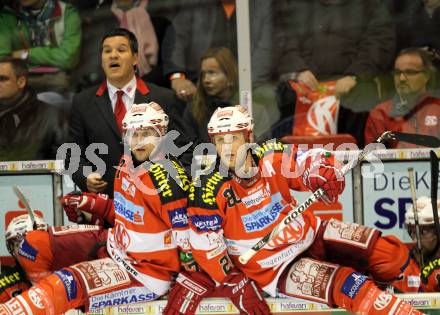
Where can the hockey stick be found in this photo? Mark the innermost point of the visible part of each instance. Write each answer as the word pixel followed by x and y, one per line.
pixel 82 219
pixel 295 212
pixel 26 204
pixel 416 215
pixel 434 187
pixel 418 139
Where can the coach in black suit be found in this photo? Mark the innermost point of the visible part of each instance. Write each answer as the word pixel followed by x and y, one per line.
pixel 97 112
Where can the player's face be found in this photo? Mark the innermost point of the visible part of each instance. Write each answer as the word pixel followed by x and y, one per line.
pixel 10 85
pixel 118 60
pixel 231 149
pixel 428 238
pixel 142 142
pixel 410 77
pixel 214 80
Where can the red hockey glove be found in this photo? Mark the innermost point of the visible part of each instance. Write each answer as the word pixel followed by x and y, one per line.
pixel 186 294
pixel 245 294
pixel 321 173
pixel 99 205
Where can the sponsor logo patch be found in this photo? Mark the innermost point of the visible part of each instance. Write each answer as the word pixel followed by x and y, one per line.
pixel 414 281
pixel 382 300
pixel 352 284
pixel 260 219
pixel 9 278
pixel 205 223
pixel 128 210
pixel 69 283
pixel 205 195
pixel 27 251
pixel 36 295
pixel 178 218
pixel 430 120
pixel 257 197
pixel 122 237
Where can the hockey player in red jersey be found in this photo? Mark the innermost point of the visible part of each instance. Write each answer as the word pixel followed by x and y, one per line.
pixel 249 193
pixel 418 278
pixel 141 253
pixel 191 286
pixel 44 250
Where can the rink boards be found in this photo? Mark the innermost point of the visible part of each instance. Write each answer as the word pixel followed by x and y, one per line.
pixel 429 303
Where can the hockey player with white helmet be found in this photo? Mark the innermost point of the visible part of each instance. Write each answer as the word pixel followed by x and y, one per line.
pixel 18 228
pixel 141 253
pixel 419 278
pixel 323 261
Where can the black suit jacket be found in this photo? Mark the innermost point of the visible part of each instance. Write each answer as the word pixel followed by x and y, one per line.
pixel 92 121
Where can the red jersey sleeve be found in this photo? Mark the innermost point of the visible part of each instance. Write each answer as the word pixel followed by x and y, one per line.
pixel 206 218
pixel 35 255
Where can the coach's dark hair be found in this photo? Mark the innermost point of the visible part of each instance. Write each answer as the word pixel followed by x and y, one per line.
pixel 424 54
pixel 18 65
pixel 122 32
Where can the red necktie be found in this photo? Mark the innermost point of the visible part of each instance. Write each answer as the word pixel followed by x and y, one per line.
pixel 120 110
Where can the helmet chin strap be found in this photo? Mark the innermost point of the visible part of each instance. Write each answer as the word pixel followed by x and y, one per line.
pixel 246 181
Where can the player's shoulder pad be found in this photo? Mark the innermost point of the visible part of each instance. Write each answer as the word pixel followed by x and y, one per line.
pixel 429 269
pixel 170 179
pixel 271 146
pixel 204 190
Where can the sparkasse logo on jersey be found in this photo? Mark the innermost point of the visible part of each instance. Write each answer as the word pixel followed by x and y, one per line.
pixel 260 219
pixel 128 210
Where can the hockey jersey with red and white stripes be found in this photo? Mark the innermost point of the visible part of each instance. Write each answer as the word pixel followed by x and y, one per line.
pixel 228 215
pixel 146 200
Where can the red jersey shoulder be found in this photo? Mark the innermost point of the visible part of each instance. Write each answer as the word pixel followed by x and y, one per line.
pixel 167 177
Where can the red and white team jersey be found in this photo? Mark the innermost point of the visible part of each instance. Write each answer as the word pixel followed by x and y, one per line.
pixel 43 252
pixel 410 280
pixel 141 240
pixel 228 215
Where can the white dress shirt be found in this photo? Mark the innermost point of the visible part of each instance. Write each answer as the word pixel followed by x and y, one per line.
pixel 127 98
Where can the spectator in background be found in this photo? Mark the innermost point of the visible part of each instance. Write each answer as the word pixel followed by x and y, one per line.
pixel 47 34
pixel 97 112
pixel 417 23
pixel 414 108
pixel 217 87
pixel 350 41
pixel 133 15
pixel 212 23
pixel 29 128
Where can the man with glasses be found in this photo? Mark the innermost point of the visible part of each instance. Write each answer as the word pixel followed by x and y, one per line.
pixel 414 108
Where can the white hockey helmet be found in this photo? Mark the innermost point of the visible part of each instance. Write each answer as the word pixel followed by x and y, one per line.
pixel 230 119
pixel 144 116
pixel 424 211
pixel 19 226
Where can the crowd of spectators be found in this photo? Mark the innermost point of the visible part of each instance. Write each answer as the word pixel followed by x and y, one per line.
pixel 187 50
